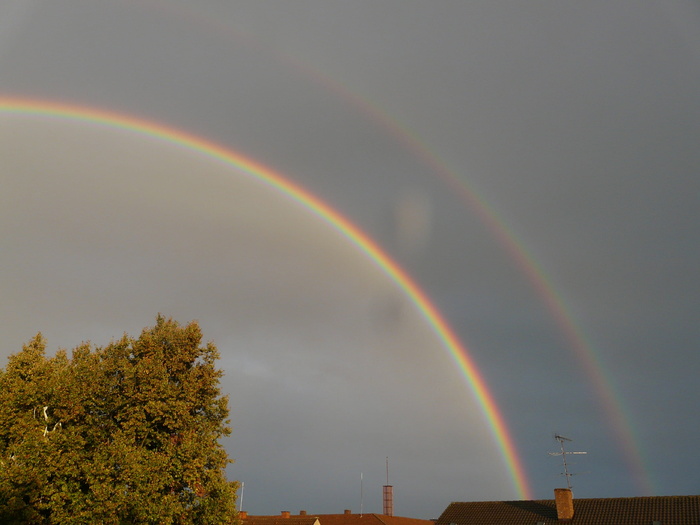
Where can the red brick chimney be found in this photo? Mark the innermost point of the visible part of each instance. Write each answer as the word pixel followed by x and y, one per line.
pixel 302 513
pixel 243 514
pixel 388 500
pixel 564 500
pixel 347 512
pixel 285 513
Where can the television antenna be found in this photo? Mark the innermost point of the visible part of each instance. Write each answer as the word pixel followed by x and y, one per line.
pixel 563 453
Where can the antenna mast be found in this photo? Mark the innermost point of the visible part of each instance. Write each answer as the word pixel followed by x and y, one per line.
pixel 563 454
pixel 362 500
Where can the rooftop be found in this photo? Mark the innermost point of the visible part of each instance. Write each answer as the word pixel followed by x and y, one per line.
pixel 346 518
pixel 654 510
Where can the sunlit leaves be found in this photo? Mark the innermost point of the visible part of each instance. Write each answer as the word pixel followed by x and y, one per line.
pixel 127 433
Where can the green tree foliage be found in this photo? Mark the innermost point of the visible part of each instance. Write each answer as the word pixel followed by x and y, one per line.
pixel 126 433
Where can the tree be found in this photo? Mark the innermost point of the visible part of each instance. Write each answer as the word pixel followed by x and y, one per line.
pixel 126 433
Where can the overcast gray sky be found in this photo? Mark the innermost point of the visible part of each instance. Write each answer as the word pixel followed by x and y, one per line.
pixel 532 166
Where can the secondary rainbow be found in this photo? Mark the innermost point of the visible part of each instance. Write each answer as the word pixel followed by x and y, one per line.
pixel 459 353
pixel 618 417
pixel 602 384
pixel 612 404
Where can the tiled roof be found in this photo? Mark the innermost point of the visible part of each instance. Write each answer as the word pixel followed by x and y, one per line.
pixel 666 510
pixel 334 519
pixel 368 519
pixel 280 520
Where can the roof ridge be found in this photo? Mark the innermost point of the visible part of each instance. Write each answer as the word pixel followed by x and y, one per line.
pixel 381 517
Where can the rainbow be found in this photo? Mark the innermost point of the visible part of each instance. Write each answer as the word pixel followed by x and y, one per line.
pixel 611 401
pixel 616 415
pixel 459 353
pixel 613 407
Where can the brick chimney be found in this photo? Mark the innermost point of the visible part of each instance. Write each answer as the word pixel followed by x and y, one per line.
pixel 347 512
pixel 564 500
pixel 285 513
pixel 302 513
pixel 388 500
pixel 243 514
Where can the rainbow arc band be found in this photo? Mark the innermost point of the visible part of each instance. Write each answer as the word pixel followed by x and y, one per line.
pixel 612 403
pixel 27 107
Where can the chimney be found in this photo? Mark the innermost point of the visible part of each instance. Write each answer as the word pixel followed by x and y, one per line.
pixel 302 513
pixel 347 512
pixel 285 513
pixel 243 514
pixel 564 500
pixel 388 500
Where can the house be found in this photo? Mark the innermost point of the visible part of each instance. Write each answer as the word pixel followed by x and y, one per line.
pixel 654 510
pixel 346 518
pixel 285 518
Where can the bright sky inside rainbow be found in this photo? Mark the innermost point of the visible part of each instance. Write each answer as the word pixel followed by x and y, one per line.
pixel 459 353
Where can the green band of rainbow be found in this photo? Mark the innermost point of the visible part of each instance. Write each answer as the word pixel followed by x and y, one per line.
pixel 458 352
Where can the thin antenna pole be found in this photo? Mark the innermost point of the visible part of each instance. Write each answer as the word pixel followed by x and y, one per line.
pixel 387 470
pixel 563 458
pixel 361 496
pixel 240 503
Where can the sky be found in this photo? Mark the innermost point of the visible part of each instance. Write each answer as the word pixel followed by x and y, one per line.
pixel 531 167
